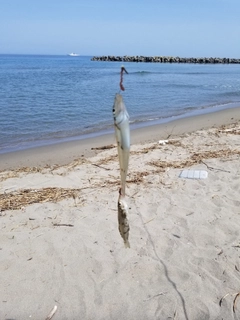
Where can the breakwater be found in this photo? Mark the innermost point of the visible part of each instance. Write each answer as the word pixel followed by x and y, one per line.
pixel 164 59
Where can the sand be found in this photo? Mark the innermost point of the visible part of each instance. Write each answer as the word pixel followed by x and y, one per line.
pixel 60 245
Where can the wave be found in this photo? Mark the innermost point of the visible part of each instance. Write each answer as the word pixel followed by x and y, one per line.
pixel 142 73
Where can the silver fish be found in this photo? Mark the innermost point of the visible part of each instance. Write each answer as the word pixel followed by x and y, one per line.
pixel 122 132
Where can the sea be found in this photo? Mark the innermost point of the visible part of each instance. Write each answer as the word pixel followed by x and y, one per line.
pixel 47 99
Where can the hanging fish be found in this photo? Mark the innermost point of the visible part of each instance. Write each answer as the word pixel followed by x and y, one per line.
pixel 122 132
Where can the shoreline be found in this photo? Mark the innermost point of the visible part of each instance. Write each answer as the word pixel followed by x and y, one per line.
pixel 65 152
pixel 108 129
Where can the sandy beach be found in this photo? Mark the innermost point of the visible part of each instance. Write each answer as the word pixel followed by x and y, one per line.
pixel 60 245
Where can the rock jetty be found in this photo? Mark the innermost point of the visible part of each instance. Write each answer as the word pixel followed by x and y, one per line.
pixel 164 59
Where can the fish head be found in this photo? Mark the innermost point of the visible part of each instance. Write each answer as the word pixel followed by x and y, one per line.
pixel 118 105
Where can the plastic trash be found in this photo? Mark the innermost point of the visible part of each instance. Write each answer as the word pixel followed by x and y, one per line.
pixel 194 174
pixel 163 142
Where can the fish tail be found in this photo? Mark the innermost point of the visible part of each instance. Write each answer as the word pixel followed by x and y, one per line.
pixel 127 244
pixel 123 224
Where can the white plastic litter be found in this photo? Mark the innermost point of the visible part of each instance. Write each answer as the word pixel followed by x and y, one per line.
pixel 194 174
pixel 163 142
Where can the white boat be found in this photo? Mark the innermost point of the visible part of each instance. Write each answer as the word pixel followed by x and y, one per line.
pixel 74 54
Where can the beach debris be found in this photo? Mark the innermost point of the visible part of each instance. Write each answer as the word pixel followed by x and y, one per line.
pixel 110 146
pixel 163 142
pixel 221 300
pixel 63 225
pixel 21 198
pixel 234 130
pixel 195 158
pixel 237 294
pixel 101 167
pixel 122 133
pixel 194 174
pixel 217 169
pixel 52 313
pixel 156 295
pixel 234 301
pixel 176 143
pixel 175 315
pixel 149 221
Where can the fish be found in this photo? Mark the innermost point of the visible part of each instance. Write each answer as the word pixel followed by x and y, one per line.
pixel 122 132
pixel 123 224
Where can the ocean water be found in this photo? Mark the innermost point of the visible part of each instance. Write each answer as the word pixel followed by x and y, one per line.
pixel 49 99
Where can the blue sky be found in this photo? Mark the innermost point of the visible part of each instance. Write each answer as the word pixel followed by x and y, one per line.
pixel 186 28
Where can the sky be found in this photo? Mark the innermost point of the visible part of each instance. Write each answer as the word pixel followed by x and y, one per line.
pixel 184 28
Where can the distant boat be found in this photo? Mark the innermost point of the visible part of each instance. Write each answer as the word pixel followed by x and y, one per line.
pixel 74 54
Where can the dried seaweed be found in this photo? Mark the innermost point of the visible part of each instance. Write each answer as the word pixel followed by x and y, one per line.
pixel 71 165
pixel 107 159
pixel 4 175
pixel 235 131
pixel 171 164
pixel 197 157
pixel 21 198
pixel 110 146
pixel 134 177
pixel 155 146
pixel 175 143
pixel 138 177
pixel 194 159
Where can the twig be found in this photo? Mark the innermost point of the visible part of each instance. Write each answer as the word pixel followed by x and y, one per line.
pixel 230 294
pixel 234 301
pixel 156 295
pixel 38 236
pixel 52 313
pixel 211 168
pixel 149 220
pixel 62 225
pixel 97 165
pixel 171 133
pixel 110 146
pixel 175 315
pixel 221 300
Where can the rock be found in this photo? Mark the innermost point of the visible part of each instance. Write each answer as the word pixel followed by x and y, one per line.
pixel 165 59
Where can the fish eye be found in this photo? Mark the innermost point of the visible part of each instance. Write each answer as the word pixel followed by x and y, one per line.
pixel 113 110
